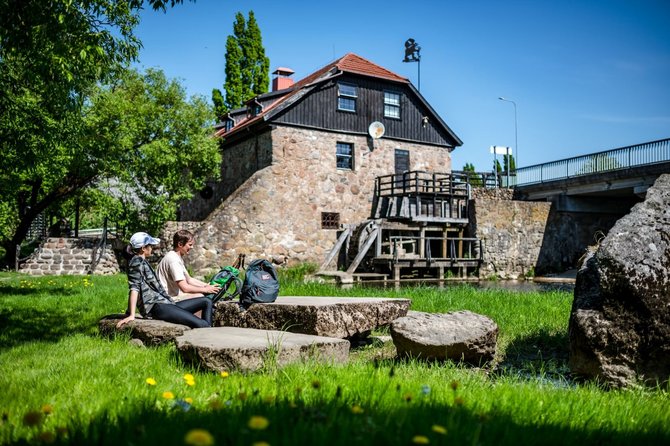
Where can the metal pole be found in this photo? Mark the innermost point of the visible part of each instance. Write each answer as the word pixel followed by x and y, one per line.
pixel 516 141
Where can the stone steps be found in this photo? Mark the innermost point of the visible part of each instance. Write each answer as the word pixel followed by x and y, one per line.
pixel 71 256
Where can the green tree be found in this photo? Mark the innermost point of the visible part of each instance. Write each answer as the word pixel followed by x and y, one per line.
pixel 475 179
pixel 52 57
pixel 247 67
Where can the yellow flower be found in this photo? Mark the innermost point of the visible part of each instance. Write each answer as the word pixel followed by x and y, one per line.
pixel 258 423
pixel 225 374
pixel 168 395
pixel 356 409
pixel 199 437
pixel 190 383
pixel 260 443
pixel 439 429
pixel 189 377
pixel 420 439
pixel 151 381
pixel 189 400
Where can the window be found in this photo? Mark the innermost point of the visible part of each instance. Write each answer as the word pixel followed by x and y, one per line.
pixel 345 155
pixel 330 220
pixel 391 105
pixel 346 97
pixel 229 124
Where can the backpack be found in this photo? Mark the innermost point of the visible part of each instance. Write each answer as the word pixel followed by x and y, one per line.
pixel 260 284
pixel 229 281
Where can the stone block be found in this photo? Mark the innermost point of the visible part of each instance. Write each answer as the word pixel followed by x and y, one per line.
pixel 338 317
pixel 459 336
pixel 150 331
pixel 245 349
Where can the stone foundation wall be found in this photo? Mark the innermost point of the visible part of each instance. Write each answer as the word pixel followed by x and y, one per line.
pixel 512 232
pixel 71 256
pixel 276 213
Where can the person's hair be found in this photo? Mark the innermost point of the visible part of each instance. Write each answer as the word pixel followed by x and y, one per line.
pixel 128 252
pixel 182 236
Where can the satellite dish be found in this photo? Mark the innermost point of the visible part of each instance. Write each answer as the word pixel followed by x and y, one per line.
pixel 376 130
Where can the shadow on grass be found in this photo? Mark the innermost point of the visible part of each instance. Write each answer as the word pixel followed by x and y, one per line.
pixel 330 421
pixel 541 355
pixel 26 324
pixel 7 291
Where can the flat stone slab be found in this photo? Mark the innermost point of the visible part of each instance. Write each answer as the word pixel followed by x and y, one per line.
pixel 459 336
pixel 247 349
pixel 150 331
pixel 337 317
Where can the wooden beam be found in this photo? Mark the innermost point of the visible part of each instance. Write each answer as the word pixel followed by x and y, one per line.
pixel 361 254
pixel 336 248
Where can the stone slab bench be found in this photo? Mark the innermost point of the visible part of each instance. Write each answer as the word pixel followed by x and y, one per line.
pixel 337 317
pixel 459 336
pixel 150 332
pixel 246 349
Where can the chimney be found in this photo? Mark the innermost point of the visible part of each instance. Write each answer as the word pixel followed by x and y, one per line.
pixel 282 78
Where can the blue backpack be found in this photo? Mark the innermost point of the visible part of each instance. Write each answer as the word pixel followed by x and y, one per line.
pixel 261 284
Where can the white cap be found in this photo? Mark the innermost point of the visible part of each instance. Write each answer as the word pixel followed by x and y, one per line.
pixel 140 239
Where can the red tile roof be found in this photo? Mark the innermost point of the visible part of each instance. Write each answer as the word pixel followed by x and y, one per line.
pixel 349 63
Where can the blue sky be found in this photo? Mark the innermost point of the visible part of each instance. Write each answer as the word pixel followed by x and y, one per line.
pixel 585 75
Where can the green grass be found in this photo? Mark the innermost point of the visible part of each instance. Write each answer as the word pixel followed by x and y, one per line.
pixel 61 382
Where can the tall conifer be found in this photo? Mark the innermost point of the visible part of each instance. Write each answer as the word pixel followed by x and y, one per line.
pixel 247 67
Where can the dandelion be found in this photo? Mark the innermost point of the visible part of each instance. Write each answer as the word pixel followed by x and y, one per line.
pixel 32 418
pixel 189 400
pixel 189 377
pixel 168 395
pixel 198 437
pixel 356 409
pixel 150 381
pixel 260 443
pixel 439 429
pixel 224 374
pixel 47 409
pixel 420 439
pixel 258 423
pixel 190 383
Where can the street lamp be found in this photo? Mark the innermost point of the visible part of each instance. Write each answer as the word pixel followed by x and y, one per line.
pixel 516 141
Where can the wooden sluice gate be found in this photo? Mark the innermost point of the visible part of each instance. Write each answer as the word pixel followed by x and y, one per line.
pixel 416 230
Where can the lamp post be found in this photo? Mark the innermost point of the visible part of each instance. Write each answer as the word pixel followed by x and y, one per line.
pixel 516 141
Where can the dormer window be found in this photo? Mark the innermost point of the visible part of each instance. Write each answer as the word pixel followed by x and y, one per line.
pixel 229 124
pixel 346 97
pixel 254 108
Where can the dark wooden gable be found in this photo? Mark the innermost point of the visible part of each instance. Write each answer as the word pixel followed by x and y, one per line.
pixel 319 109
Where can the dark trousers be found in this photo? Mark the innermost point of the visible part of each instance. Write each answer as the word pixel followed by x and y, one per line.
pixel 182 312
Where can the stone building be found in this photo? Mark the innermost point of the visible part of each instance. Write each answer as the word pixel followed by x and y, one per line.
pixel 301 160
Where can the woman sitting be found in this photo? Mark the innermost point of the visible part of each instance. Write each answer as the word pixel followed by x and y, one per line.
pixel 153 301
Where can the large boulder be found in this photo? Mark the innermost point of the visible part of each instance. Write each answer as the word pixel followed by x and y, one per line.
pixel 459 336
pixel 149 331
pixel 246 349
pixel 620 321
pixel 337 317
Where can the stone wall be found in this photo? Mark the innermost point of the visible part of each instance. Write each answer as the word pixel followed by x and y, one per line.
pixel 511 232
pixel 71 256
pixel 276 213
pixel 238 163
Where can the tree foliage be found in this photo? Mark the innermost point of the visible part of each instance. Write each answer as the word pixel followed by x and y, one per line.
pixel 474 178
pixel 53 57
pixel 247 67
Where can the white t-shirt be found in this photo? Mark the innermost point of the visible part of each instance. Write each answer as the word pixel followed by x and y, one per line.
pixel 171 270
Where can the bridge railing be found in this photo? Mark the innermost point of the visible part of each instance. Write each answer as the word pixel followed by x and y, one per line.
pixel 609 160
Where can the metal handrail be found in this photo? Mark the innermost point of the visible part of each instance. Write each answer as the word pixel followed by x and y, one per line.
pixel 653 152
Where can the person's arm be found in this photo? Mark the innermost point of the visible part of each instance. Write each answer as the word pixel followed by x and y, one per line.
pixel 132 303
pixel 192 285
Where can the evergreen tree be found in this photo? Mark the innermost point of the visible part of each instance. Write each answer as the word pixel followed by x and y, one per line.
pixel 247 67
pixel 475 180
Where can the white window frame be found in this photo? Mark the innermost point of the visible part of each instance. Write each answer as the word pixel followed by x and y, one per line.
pixel 389 104
pixel 347 96
pixel 341 156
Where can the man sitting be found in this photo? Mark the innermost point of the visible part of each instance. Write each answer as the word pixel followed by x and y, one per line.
pixel 172 271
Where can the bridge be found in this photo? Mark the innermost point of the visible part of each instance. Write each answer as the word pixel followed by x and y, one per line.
pixel 603 180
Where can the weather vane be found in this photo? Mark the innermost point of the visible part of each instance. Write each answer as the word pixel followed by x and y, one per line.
pixel 413 54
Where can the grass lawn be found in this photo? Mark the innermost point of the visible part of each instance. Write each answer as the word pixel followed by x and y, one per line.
pixel 60 383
